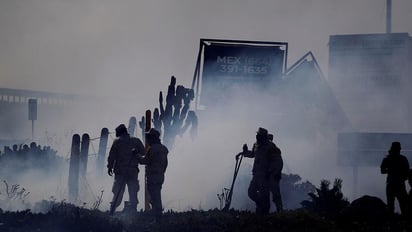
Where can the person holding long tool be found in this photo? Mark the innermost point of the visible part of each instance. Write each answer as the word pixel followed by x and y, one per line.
pixel 263 169
pixel 123 161
pixel 156 163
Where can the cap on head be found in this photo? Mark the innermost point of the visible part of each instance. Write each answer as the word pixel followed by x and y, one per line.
pixel 262 131
pixel 153 132
pixel 121 129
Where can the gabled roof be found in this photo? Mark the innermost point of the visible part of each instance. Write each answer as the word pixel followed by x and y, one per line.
pixel 305 85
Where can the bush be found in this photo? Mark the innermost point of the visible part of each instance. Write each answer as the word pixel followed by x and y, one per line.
pixel 327 202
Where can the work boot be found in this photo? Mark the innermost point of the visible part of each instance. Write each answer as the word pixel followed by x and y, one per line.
pixel 112 209
pixel 129 207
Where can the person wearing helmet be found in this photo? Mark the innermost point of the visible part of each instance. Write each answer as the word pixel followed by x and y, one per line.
pixel 123 161
pixel 263 152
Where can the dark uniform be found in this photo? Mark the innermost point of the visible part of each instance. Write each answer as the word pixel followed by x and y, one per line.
pixel 124 163
pixel 277 166
pixel 156 164
pixel 410 193
pixel 397 168
pixel 263 169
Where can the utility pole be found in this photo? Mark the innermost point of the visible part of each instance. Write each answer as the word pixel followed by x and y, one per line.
pixel 388 16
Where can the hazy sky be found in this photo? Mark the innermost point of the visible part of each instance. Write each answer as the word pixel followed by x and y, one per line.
pixel 130 47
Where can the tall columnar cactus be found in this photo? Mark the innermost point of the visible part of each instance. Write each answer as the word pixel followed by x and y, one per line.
pixel 175 116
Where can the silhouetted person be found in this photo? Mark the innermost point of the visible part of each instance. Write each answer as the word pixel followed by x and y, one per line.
pixel 263 169
pixel 397 168
pixel 123 162
pixel 410 192
pixel 276 175
pixel 156 164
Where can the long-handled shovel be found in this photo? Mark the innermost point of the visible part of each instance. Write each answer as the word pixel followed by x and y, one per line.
pixel 228 199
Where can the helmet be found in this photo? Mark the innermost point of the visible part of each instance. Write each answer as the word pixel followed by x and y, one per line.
pixel 262 131
pixel 153 132
pixel 120 130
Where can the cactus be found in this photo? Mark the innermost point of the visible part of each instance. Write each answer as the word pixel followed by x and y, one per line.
pixel 175 116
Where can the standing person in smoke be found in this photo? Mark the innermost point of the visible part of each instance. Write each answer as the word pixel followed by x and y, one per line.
pixel 156 163
pixel 123 162
pixel 410 193
pixel 276 175
pixel 264 153
pixel 397 168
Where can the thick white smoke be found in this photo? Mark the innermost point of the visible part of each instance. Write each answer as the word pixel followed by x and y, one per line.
pixel 125 52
